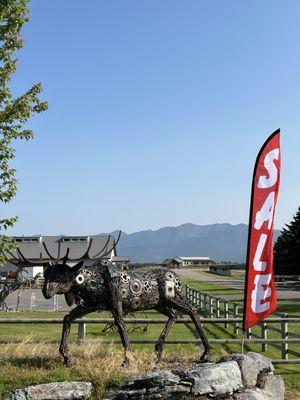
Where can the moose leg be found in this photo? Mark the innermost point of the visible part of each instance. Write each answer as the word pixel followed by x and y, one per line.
pixel 181 304
pixel 119 322
pixel 112 281
pixel 77 312
pixel 161 340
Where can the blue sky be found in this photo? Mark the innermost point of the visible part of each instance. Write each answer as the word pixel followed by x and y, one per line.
pixel 157 110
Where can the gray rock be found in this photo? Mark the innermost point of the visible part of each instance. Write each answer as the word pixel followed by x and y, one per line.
pixel 273 386
pixel 248 367
pixel 153 393
pixel 160 378
pixel 264 364
pixel 251 394
pixel 232 377
pixel 152 386
pixel 53 391
pixel 138 394
pixel 215 380
pixel 167 392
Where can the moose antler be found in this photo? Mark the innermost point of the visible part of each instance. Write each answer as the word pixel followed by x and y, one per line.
pixel 23 261
pixel 104 252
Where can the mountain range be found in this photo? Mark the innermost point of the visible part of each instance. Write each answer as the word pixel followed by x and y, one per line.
pixel 220 242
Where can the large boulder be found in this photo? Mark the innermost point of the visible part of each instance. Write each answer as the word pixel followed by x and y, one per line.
pixel 251 394
pixel 248 367
pixel 264 364
pixel 155 385
pixel 160 378
pixel 273 386
pixel 53 391
pixel 215 380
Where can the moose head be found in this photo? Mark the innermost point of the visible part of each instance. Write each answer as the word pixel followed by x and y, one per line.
pixel 59 278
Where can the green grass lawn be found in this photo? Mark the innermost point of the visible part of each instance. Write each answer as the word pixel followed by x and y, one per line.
pixel 215 289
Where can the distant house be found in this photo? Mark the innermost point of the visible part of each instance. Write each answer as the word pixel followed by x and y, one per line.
pixel 226 269
pixel 180 262
pixel 57 246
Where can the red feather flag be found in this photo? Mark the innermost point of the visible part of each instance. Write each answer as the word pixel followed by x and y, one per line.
pixel 260 293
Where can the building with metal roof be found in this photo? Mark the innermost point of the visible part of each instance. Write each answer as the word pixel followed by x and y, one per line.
pixel 180 262
pixel 48 248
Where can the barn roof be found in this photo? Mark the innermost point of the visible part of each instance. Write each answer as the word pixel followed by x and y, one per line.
pixel 33 249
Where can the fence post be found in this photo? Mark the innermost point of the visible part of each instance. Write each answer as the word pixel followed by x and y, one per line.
pixel 81 330
pixel 32 302
pixel 264 335
pixel 235 315
pixel 194 297
pixel 284 335
pixel 205 303
pixel 201 300
pixel 218 308
pixel 211 307
pixel 198 299
pixel 226 312
pixel 55 303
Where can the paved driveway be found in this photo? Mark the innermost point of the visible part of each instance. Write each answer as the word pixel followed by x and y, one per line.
pixel 198 275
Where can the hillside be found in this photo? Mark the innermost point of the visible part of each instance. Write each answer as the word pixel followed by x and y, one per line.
pixel 221 242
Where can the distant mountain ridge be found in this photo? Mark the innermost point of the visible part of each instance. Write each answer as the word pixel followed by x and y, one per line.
pixel 220 242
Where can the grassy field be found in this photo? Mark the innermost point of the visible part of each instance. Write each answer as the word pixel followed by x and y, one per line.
pixel 27 363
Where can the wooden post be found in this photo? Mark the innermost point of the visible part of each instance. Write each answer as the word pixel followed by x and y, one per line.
pixel 217 307
pixel 284 335
pixel 249 333
pixel 198 300
pixel 81 330
pixel 211 307
pixel 236 314
pixel 201 300
pixel 205 303
pixel 226 312
pixel 264 335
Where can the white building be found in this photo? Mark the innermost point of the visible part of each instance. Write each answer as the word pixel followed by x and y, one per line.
pixel 181 262
pixel 48 248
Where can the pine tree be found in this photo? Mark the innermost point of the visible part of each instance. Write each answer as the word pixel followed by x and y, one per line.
pixel 287 249
pixel 15 112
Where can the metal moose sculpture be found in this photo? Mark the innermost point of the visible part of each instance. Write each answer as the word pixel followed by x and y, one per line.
pixel 102 286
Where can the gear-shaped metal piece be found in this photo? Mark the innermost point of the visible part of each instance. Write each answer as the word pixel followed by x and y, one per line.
pixel 80 279
pixel 147 287
pixel 136 286
pixel 136 301
pixel 125 278
pixel 170 276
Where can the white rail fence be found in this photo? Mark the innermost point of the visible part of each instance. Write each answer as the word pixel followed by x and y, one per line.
pixel 282 327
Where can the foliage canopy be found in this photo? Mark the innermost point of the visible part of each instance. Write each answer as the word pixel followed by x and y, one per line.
pixel 287 248
pixel 15 112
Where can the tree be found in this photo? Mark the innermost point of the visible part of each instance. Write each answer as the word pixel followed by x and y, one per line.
pixel 14 112
pixel 287 249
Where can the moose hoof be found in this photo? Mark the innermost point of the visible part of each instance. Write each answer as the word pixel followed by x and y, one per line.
pixel 67 361
pixel 126 363
pixel 205 357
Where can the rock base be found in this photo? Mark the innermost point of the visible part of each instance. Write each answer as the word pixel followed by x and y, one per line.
pixel 234 377
pixel 53 391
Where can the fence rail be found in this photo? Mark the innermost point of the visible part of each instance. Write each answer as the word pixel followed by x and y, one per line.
pixel 282 343
pixel 217 307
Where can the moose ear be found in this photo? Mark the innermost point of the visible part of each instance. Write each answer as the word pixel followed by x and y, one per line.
pixel 73 271
pixel 77 266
